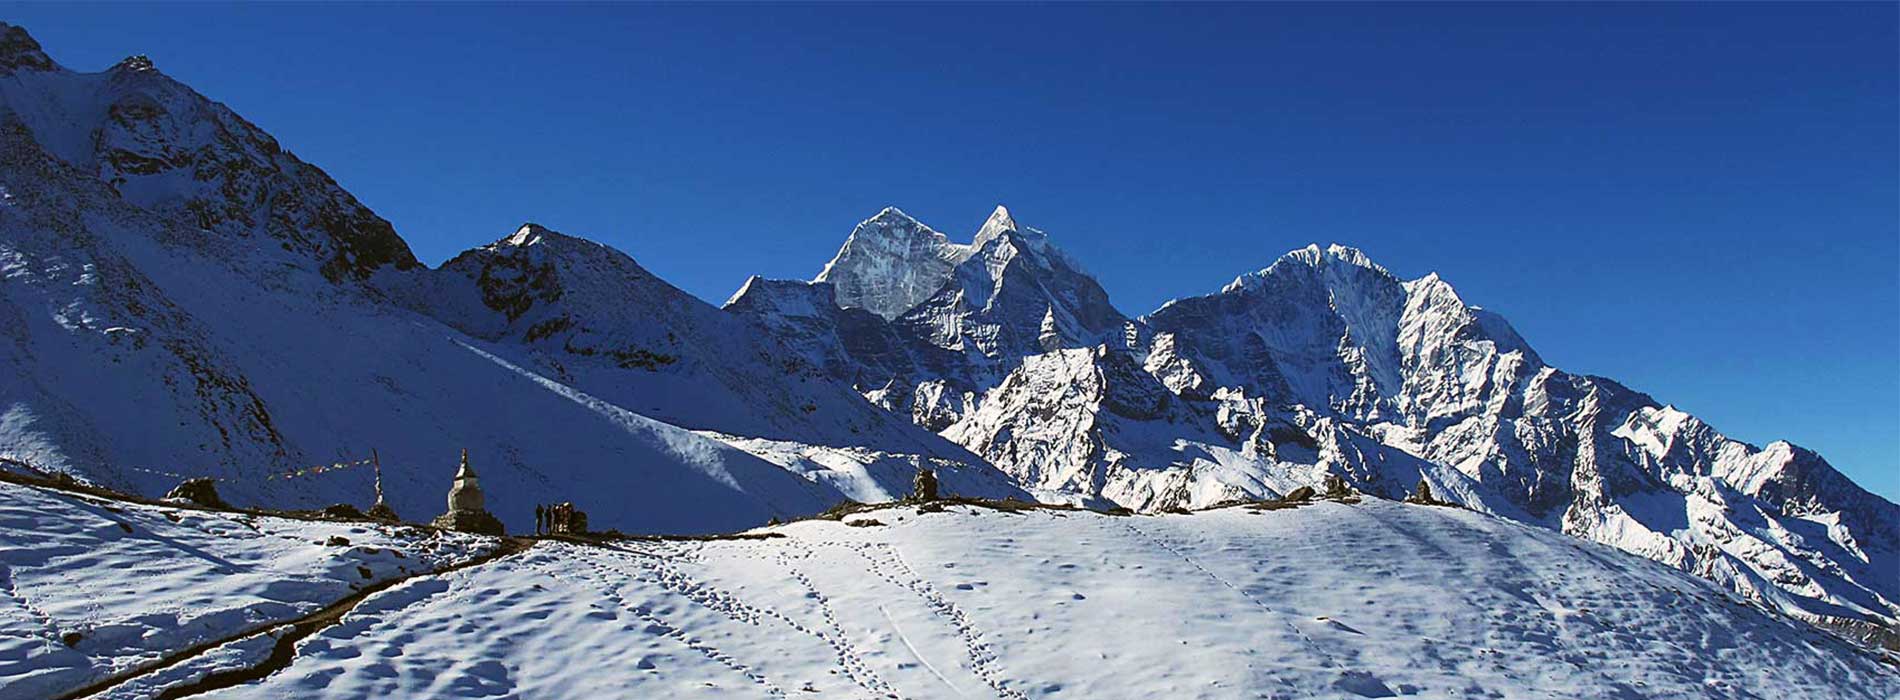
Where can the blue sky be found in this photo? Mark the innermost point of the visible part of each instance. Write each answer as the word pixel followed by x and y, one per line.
pixel 1702 201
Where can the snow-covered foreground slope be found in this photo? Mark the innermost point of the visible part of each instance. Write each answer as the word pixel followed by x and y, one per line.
pixel 1326 600
pixel 91 586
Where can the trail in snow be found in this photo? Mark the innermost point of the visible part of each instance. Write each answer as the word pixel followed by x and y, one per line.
pixel 849 656
pixel 1329 659
pixel 684 638
pixel 99 590
pixel 912 648
pixel 284 651
pixel 982 657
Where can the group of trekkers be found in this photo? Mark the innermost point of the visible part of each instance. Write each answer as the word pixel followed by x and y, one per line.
pixel 558 518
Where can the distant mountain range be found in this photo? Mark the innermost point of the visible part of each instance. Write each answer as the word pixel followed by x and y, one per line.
pixel 181 296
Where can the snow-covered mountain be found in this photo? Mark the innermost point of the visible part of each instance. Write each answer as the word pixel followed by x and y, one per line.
pixel 1415 367
pixel 891 263
pixel 594 319
pixel 1005 294
pixel 180 296
pixel 1324 363
pixel 164 148
pixel 183 297
pixel 1014 294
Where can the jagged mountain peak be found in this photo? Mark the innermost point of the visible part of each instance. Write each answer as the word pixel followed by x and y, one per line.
pixel 1311 256
pixel 1431 294
pixel 169 150
pixel 1351 256
pixel 1000 222
pixel 1433 287
pixel 747 288
pixel 136 63
pixel 894 215
pixel 527 234
pixel 891 222
pixel 890 263
pixel 1330 328
pixel 533 234
pixel 19 50
pixel 791 297
pixel 1002 236
pixel 535 274
pixel 1016 292
pixel 588 266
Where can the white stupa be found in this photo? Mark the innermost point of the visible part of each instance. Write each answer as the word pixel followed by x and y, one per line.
pixel 467 507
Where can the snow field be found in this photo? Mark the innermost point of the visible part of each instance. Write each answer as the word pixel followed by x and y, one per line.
pixel 1327 600
pixel 127 583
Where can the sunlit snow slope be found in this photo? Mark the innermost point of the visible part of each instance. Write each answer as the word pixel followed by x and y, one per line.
pixel 126 583
pixel 1327 600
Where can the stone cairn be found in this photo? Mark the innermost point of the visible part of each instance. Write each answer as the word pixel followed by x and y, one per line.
pixel 924 488
pixel 466 512
pixel 1337 487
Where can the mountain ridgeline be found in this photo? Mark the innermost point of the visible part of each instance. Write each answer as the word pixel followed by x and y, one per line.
pixel 181 296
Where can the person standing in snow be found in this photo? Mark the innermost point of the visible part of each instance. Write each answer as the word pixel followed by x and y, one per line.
pixel 540 516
